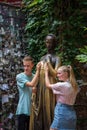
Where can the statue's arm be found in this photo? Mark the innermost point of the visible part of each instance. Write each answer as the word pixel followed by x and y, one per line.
pixel 58 63
pixel 52 70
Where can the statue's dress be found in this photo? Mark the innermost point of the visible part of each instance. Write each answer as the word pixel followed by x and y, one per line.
pixel 43 102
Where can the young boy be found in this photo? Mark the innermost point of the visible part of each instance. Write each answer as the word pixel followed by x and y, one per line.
pixel 25 81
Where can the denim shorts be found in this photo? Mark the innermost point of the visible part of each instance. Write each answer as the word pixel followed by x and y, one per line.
pixel 64 117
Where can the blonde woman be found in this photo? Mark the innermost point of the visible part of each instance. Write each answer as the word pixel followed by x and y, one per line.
pixel 66 91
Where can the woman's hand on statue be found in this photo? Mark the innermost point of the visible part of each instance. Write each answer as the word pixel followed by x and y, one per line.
pixel 34 90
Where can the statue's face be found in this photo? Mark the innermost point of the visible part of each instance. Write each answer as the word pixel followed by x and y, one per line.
pixel 49 43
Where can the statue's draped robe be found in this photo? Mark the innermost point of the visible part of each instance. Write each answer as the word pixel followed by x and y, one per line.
pixel 43 102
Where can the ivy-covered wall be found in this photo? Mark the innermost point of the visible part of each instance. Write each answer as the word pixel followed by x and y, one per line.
pixel 66 19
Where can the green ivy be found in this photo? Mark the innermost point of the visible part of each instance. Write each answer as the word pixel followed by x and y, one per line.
pixel 66 19
pixel 82 57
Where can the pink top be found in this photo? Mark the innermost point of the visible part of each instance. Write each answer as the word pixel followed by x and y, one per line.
pixel 64 92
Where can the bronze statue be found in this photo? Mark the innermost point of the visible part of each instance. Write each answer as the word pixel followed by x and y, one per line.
pixel 43 102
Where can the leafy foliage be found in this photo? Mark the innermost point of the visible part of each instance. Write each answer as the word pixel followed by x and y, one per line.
pixel 66 19
pixel 83 56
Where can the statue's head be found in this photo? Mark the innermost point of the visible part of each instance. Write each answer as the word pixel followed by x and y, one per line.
pixel 51 41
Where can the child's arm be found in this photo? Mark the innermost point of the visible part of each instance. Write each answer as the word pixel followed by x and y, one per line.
pixel 34 80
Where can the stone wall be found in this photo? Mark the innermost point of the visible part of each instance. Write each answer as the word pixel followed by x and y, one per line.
pixel 11 52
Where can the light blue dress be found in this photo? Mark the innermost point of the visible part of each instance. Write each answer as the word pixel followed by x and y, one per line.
pixel 25 93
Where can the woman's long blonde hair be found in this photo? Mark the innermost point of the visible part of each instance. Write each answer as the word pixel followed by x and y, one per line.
pixel 71 75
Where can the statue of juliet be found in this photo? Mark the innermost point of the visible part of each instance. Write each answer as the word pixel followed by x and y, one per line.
pixel 43 101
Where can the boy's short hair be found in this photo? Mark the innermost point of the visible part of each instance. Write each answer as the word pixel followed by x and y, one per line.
pixel 28 58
